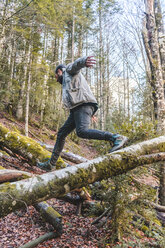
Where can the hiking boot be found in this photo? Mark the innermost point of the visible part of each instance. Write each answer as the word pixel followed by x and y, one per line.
pixel 47 166
pixel 119 142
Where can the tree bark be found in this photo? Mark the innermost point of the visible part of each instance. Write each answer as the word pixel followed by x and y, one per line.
pixel 150 37
pixel 154 42
pixel 28 92
pixel 73 33
pixel 3 35
pixel 58 183
pixel 162 184
pixel 161 39
pixel 19 110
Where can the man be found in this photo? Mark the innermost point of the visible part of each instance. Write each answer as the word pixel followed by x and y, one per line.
pixel 79 99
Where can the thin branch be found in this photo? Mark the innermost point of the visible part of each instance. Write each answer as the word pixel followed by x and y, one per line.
pixel 18 11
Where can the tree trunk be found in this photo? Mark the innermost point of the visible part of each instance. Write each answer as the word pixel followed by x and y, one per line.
pixel 13 175
pixel 2 35
pixel 41 239
pixel 162 185
pixel 73 34
pixel 43 101
pixel 101 88
pixel 150 37
pixel 50 215
pixel 24 146
pixel 155 48
pixel 161 35
pixel 66 155
pixel 57 183
pixel 28 94
pixel 19 110
pixel 161 39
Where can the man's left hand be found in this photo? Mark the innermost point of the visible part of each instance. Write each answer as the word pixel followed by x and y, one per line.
pixel 90 61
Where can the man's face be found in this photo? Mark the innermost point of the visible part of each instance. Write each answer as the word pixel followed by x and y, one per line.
pixel 58 76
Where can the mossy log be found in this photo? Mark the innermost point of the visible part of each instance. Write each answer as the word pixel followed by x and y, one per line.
pixel 158 207
pixel 58 183
pixel 77 159
pixel 13 175
pixel 50 215
pixel 25 146
pixel 41 239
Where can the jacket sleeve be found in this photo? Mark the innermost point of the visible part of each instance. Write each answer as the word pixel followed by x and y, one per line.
pixel 76 66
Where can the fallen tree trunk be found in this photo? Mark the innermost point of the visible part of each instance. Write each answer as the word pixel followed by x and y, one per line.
pixel 13 175
pixel 58 183
pixel 50 215
pixel 73 157
pixel 24 146
pixel 158 207
pixel 41 239
pixel 66 155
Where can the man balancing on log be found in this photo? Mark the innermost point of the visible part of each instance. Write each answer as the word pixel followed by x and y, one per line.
pixel 79 99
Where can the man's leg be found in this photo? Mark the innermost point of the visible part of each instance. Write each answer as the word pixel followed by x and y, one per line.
pixel 82 118
pixel 63 132
pixel 66 129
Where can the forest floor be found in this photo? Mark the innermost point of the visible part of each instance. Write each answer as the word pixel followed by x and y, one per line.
pixel 23 226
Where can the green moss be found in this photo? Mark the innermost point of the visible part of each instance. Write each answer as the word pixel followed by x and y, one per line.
pixel 53 212
pixel 16 130
pixel 156 221
pixel 144 228
pixel 60 163
pixel 80 177
pixel 4 153
pixel 161 147
pixel 6 187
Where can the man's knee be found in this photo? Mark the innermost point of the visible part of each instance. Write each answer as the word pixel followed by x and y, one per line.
pixel 81 133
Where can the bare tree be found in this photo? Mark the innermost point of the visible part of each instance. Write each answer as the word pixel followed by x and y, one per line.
pixel 155 49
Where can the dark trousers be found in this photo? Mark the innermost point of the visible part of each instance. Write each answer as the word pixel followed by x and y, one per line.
pixel 78 119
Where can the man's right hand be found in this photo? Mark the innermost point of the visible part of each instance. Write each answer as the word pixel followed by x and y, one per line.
pixel 94 119
pixel 90 61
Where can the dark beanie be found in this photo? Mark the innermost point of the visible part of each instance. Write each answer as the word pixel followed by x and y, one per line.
pixel 61 66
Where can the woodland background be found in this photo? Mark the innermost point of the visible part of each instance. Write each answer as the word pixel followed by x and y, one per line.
pixel 36 36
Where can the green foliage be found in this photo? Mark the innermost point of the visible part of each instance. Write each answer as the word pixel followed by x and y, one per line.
pixel 136 130
pixel 131 219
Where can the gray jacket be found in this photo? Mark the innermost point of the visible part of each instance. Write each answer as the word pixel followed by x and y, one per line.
pixel 75 89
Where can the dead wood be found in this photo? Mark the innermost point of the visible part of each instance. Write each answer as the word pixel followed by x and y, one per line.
pixel 41 239
pixel 13 175
pixel 66 155
pixel 50 215
pixel 58 183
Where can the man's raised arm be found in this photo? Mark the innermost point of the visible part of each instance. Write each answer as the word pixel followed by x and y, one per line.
pixel 78 64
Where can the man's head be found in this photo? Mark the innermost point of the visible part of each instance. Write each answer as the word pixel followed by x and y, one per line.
pixel 59 72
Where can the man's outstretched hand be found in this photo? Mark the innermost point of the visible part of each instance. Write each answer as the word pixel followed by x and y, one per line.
pixel 90 61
